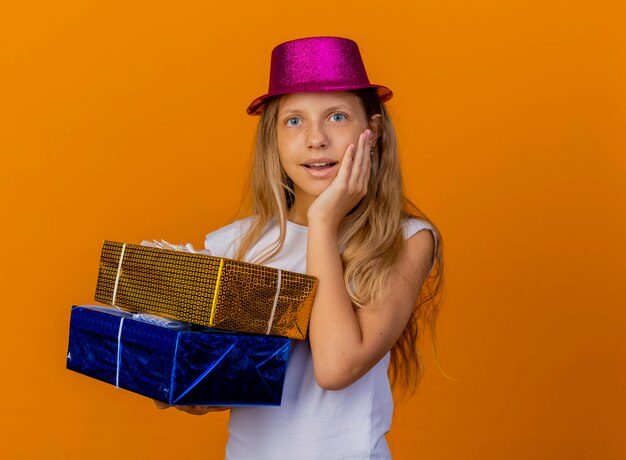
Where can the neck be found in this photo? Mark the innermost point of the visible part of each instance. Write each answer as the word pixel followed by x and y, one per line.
pixel 300 209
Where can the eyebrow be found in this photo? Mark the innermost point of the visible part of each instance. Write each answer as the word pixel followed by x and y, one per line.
pixel 334 108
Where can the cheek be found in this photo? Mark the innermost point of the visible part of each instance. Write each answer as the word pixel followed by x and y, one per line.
pixel 286 144
pixel 347 138
pixel 287 159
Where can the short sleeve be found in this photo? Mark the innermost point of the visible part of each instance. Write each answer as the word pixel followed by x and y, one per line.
pixel 412 226
pixel 225 241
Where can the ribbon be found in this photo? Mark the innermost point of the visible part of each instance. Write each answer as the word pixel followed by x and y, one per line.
pixel 119 353
pixel 117 277
pixel 271 321
pixel 216 291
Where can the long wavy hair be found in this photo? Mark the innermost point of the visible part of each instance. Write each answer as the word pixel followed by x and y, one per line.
pixel 371 233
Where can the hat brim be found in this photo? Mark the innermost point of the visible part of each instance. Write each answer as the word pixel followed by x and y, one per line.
pixel 256 106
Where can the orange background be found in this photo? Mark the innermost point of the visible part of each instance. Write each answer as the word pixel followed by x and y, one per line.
pixel 126 121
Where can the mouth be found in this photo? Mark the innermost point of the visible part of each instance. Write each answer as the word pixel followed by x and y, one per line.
pixel 320 165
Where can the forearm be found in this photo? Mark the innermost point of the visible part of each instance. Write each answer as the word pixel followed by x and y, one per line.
pixel 345 343
pixel 335 333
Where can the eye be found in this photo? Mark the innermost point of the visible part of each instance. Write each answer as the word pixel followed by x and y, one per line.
pixel 293 121
pixel 337 117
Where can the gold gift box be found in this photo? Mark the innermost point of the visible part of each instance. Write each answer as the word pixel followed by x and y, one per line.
pixel 205 290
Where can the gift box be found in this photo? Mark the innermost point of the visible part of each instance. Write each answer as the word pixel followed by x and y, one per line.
pixel 178 367
pixel 205 290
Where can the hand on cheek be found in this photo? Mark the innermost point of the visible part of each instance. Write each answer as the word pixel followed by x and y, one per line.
pixel 348 188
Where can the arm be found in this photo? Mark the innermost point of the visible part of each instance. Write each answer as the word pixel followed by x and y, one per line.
pixel 345 343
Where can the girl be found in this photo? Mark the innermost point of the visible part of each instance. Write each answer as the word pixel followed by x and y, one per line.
pixel 327 200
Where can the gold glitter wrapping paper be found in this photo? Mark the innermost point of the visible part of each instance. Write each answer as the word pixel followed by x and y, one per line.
pixel 205 290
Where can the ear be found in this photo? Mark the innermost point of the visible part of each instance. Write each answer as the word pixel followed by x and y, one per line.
pixel 376 125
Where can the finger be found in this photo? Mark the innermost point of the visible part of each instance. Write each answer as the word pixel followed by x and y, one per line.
pixel 346 163
pixel 358 162
pixel 161 405
pixel 365 161
pixel 217 408
pixel 366 170
pixel 193 410
pixel 354 164
pixel 198 410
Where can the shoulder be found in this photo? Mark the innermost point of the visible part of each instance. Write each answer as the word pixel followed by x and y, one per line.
pixel 223 242
pixel 421 245
pixel 412 225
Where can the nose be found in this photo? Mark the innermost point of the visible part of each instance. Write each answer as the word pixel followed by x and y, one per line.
pixel 316 137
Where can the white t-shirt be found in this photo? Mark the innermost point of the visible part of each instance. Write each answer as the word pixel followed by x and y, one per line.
pixel 311 423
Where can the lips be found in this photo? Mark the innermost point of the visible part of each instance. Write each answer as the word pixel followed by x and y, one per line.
pixel 319 163
pixel 320 168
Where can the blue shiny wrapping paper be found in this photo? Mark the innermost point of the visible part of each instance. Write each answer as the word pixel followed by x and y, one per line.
pixel 214 368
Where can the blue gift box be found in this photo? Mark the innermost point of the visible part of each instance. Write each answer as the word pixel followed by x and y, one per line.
pixel 183 367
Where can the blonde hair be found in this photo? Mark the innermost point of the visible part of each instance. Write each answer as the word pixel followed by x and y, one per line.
pixel 371 234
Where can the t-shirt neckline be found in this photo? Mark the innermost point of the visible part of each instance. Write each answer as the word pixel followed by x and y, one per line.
pixel 298 227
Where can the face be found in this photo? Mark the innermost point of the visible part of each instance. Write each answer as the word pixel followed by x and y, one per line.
pixel 313 132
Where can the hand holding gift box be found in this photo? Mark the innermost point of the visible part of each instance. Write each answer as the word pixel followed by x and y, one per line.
pixel 205 290
pixel 193 410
